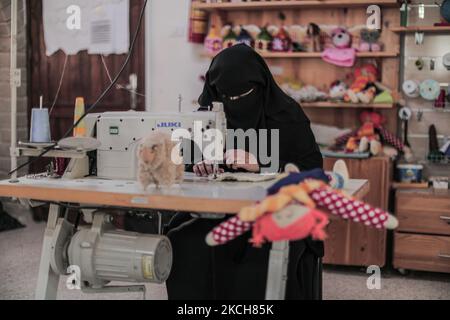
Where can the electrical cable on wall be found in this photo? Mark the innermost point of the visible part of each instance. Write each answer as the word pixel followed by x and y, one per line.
pixel 59 85
pixel 100 98
pixel 119 86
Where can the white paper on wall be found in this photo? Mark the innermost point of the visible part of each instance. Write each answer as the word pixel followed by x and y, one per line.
pixel 104 26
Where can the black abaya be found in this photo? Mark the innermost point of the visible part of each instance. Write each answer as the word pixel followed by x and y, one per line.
pixel 236 271
pixel 241 79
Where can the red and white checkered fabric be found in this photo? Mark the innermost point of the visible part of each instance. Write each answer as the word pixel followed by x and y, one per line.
pixel 348 208
pixel 230 229
pixel 391 139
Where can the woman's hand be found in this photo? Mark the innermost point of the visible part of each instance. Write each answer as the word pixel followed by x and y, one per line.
pixel 240 159
pixel 205 169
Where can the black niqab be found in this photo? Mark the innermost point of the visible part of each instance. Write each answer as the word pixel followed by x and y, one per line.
pixel 240 78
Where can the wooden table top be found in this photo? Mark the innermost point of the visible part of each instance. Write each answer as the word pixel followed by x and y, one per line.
pixel 194 195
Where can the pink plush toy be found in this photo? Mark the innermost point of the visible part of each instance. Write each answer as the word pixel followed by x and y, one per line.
pixel 342 54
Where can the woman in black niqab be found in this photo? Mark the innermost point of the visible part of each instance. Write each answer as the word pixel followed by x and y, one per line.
pixel 241 79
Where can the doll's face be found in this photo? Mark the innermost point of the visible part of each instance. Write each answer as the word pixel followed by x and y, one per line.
pixel 289 215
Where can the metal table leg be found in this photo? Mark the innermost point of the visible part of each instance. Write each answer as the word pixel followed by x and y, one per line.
pixel 278 271
pixel 48 280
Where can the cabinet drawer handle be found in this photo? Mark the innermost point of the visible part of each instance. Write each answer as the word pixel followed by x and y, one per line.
pixel 446 219
pixel 445 256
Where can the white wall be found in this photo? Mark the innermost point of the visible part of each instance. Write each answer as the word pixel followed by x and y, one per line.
pixel 174 65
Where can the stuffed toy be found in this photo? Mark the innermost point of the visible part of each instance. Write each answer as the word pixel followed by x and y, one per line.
pixel 341 38
pixel 338 89
pixel 213 42
pixel 366 138
pixel 339 178
pixel 369 137
pixel 303 94
pixel 310 94
pixel 282 41
pixel 341 54
pixel 292 214
pixel 290 211
pixel 346 207
pixel 315 37
pixel 299 38
pixel 363 88
pixel 263 41
pixel 156 161
pixel 229 37
pixel 245 38
pixel 295 222
pixel 369 40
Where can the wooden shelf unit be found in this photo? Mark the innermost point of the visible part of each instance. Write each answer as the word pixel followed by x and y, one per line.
pixel 304 66
pixel 330 104
pixel 424 29
pixel 297 4
pixel 318 55
pixel 405 185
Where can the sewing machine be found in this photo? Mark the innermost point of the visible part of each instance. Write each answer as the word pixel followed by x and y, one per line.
pixel 120 133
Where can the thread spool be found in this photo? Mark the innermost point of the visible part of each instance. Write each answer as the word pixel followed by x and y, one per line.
pixel 80 130
pixel 430 89
pixel 411 88
pixel 40 125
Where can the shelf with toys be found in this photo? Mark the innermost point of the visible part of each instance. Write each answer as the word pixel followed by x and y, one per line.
pixel 298 48
pixel 358 90
pixel 293 4
pixel 332 104
pixel 315 55
pixel 424 29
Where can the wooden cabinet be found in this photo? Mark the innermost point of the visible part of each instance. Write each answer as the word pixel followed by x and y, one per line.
pixel 422 241
pixel 350 243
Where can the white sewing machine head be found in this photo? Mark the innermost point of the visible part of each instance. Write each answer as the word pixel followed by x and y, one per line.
pixel 120 133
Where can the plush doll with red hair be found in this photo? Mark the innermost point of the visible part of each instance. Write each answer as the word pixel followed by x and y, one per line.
pixel 363 89
pixel 370 137
pixel 290 212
